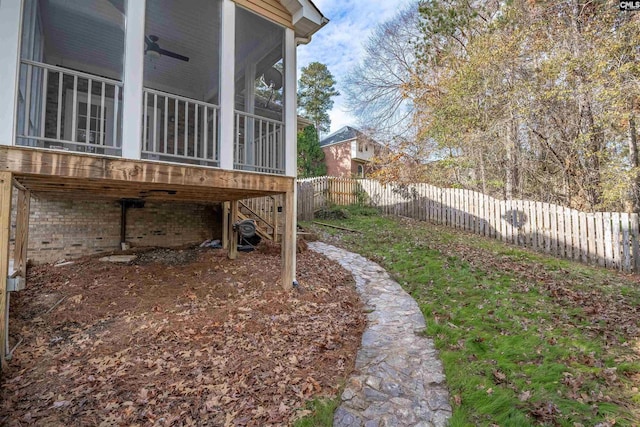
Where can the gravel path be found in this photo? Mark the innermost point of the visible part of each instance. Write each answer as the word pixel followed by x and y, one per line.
pixel 399 380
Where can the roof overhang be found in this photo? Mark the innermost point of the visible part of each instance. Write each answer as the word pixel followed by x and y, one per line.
pixel 303 122
pixel 307 18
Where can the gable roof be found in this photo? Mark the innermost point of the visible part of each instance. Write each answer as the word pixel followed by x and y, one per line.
pixel 345 133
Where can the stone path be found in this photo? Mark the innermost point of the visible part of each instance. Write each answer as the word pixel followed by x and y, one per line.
pixel 399 380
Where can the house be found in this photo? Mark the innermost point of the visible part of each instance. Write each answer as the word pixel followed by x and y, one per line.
pixel 348 152
pixel 152 105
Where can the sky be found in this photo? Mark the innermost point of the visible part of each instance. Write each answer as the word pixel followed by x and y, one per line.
pixel 339 44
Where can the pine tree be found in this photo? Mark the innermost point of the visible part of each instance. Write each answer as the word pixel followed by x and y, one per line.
pixel 315 90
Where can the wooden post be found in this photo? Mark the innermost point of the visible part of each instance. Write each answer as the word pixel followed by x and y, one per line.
pixel 22 232
pixel 232 232
pixel 274 218
pixel 289 241
pixel 6 185
pixel 635 244
pixel 225 225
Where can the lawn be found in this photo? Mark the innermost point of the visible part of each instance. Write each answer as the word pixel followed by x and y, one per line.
pixel 526 339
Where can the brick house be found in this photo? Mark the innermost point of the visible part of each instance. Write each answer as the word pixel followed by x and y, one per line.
pixel 348 152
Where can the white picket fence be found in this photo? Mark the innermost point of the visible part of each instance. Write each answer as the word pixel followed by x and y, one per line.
pixel 609 239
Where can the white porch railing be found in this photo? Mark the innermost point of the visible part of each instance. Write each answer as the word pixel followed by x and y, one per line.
pixel 259 144
pixel 179 129
pixel 71 110
pixel 64 109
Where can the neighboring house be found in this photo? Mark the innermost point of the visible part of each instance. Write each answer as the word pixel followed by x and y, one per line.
pixel 104 101
pixel 348 152
pixel 303 122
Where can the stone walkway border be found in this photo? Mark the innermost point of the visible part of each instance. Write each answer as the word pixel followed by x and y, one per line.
pixel 398 380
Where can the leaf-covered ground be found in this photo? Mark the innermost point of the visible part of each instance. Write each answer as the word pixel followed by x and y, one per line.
pixel 178 338
pixel 526 339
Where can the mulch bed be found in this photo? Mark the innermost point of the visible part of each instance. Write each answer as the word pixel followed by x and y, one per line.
pixel 179 338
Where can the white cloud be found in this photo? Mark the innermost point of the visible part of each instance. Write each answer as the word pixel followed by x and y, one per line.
pixel 339 44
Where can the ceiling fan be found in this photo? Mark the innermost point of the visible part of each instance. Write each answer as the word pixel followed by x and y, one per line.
pixel 152 48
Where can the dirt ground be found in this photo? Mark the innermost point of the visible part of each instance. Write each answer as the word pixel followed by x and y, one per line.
pixel 178 338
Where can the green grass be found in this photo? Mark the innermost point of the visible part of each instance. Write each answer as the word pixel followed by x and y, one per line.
pixel 321 413
pixel 517 344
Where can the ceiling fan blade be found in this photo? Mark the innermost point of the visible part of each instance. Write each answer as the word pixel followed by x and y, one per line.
pixel 173 55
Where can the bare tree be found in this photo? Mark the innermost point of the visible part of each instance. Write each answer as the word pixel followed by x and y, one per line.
pixel 376 89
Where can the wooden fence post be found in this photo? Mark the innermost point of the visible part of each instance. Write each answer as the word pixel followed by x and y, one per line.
pixel 635 243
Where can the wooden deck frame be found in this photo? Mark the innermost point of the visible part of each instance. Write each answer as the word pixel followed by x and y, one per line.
pixel 82 176
pixel 48 170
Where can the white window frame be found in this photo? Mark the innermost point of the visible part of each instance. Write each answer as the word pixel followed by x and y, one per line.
pixel 109 141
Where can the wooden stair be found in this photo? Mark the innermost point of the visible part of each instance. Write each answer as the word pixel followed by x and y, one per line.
pixel 264 211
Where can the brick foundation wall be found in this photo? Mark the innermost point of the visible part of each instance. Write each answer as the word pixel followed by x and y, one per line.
pixel 72 228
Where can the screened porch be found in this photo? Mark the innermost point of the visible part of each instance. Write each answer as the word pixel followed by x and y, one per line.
pixel 72 94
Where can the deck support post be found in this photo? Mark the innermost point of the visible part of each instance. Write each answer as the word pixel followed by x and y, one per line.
pixel 6 185
pixel 22 232
pixel 288 244
pixel 225 225
pixel 232 231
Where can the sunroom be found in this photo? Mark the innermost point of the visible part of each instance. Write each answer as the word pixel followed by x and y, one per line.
pixel 199 82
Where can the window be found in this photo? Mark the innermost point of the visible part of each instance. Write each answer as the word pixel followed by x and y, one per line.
pixel 97 124
pixel 360 171
pixel 100 119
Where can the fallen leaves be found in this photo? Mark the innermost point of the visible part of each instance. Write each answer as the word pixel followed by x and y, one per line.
pixel 228 349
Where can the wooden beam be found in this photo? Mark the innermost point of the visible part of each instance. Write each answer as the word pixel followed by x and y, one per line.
pixel 5 223
pixel 22 232
pixel 24 161
pixel 289 241
pixel 233 232
pixel 69 188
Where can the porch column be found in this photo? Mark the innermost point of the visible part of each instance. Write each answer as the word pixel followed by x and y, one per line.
pixel 250 107
pixel 291 155
pixel 10 28
pixel 133 79
pixel 5 224
pixel 227 83
pixel 290 104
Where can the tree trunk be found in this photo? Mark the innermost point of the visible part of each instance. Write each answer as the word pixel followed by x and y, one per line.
pixel 633 157
pixel 483 177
